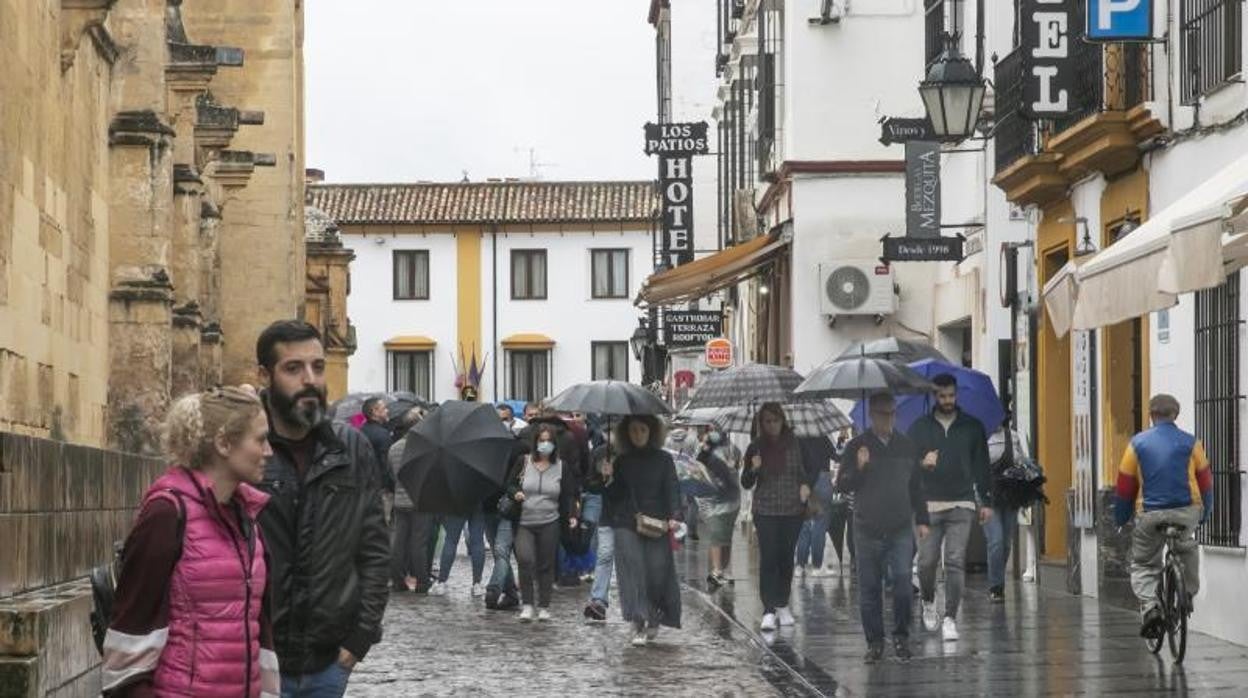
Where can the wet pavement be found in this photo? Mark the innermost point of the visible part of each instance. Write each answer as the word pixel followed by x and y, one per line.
pixel 1039 642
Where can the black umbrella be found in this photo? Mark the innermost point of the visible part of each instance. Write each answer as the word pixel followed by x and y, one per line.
pixel 901 350
pixel 751 383
pixel 856 377
pixel 455 458
pixel 609 398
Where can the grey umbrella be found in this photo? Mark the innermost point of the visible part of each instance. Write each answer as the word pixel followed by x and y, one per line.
pixel 901 350
pixel 856 377
pixel 609 398
pixel 751 383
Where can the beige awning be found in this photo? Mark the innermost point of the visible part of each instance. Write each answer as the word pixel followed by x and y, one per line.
pixel 704 276
pixel 1176 251
pixel 411 342
pixel 527 340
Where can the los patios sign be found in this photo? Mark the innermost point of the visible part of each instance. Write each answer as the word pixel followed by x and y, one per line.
pixel 676 145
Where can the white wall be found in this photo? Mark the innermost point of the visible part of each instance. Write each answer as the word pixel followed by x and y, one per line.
pixel 378 317
pixel 693 98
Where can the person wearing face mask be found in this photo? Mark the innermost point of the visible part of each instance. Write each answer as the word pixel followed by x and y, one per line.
pixel 641 480
pixel 195 619
pixel 324 524
pixel 547 493
pixel 719 511
pixel 777 470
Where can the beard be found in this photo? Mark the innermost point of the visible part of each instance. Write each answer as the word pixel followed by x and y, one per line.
pixel 294 411
pixel 951 409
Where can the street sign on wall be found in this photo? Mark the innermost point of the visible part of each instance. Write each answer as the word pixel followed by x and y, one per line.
pixel 691 328
pixel 1120 20
pixel 1048 31
pixel 910 249
pixel 922 189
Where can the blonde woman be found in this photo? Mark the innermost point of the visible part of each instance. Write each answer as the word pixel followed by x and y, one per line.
pixel 190 616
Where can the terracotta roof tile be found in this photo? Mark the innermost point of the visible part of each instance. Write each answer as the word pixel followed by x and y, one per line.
pixel 486 202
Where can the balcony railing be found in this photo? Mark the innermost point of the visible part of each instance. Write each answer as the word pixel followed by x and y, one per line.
pixel 1015 134
pixel 1212 46
pixel 934 30
pixel 1110 77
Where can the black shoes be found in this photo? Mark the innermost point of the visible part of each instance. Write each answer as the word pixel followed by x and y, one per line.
pixel 901 648
pixel 875 652
pixel 715 580
pixel 996 595
pixel 596 612
pixel 1154 626
pixel 507 602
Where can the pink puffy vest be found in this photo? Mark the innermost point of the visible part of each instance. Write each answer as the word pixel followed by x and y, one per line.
pixel 215 594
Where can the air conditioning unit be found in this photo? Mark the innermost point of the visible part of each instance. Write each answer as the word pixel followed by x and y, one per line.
pixel 863 287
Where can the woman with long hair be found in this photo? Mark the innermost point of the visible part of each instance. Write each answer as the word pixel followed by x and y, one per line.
pixel 547 493
pixel 642 505
pixel 190 616
pixel 777 472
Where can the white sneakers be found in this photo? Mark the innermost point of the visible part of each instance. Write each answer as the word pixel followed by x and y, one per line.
pixel 949 630
pixel 784 616
pixel 931 618
pixel 526 613
pixel 639 638
pixel 543 614
pixel 437 589
pixel 769 623
pixel 477 590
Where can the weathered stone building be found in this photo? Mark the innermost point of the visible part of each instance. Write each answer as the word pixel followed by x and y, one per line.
pixel 151 223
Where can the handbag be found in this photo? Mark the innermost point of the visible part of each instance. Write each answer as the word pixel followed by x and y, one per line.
pixel 647 526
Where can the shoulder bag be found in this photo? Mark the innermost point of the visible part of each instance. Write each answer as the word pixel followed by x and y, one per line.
pixel 647 526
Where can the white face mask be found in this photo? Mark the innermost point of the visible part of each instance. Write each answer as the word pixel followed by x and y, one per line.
pixel 546 448
pixel 713 437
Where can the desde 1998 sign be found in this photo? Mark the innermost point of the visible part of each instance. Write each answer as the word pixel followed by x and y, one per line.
pixel 676 144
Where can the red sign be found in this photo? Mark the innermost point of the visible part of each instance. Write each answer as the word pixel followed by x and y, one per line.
pixel 719 353
pixel 684 379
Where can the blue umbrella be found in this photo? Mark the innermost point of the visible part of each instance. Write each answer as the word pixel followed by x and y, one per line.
pixel 976 396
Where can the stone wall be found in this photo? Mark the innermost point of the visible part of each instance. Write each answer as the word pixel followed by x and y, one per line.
pixel 62 508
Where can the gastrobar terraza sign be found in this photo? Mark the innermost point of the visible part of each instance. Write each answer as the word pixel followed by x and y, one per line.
pixel 676 145
pixel 691 328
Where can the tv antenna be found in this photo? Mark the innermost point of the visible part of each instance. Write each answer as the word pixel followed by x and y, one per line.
pixel 535 165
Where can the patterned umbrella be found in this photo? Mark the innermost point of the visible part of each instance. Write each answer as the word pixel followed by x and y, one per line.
pixel 743 385
pixel 903 350
pixel 608 397
pixel 857 377
pixel 808 419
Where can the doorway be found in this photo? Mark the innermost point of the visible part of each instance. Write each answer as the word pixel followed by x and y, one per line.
pixel 1054 408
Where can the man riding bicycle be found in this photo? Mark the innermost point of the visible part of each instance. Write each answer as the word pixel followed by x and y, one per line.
pixel 1164 478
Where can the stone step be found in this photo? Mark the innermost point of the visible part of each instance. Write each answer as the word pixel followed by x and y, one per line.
pixel 45 643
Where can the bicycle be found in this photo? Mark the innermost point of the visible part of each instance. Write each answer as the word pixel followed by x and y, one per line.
pixel 1172 597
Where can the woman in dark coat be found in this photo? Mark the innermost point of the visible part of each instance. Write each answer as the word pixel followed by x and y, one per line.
pixel 641 478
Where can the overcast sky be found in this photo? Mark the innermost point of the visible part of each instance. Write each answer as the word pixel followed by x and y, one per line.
pixel 406 90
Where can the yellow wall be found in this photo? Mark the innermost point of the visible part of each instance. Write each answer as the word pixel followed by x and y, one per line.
pixel 1055 239
pixel 468 296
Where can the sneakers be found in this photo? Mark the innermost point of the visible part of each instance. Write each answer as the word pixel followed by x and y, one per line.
pixel 784 616
pixel 949 630
pixel 652 632
pixel 996 595
pixel 596 611
pixel 639 635
pixel 901 649
pixel 769 623
pixel 526 613
pixel 507 602
pixel 438 589
pixel 477 590
pixel 875 651
pixel 491 598
pixel 1154 625
pixel 543 614
pixel 713 581
pixel 931 618
pixel 411 583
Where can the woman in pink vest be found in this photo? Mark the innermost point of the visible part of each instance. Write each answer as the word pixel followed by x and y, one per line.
pixel 190 616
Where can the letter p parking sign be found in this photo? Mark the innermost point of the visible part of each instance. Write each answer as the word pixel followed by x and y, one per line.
pixel 1120 20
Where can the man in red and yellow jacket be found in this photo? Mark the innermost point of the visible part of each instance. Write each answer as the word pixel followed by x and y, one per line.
pixel 1164 479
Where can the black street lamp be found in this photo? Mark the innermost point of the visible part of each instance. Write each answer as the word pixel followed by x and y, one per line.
pixel 639 340
pixel 953 94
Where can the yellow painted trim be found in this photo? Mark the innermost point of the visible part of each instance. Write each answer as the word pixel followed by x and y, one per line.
pixel 528 340
pixel 468 296
pixel 411 341
pixel 1055 416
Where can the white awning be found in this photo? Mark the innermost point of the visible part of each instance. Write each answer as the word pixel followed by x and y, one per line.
pixel 1178 250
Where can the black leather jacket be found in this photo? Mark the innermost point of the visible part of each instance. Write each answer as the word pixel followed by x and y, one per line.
pixel 329 548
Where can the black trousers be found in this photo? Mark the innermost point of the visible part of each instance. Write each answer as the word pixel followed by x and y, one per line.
pixel 777 542
pixel 407 547
pixel 841 531
pixel 536 548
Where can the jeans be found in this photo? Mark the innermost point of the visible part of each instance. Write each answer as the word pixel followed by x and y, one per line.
pixel 591 511
pixel 502 539
pixel 999 535
pixel 811 540
pixel 605 541
pixel 536 548
pixel 953 528
pixel 330 682
pixel 777 539
pixel 454 526
pixel 878 555
pixel 1146 552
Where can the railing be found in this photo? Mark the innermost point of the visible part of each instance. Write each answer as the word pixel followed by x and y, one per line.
pixel 1218 406
pixel 934 34
pixel 1015 135
pixel 1212 51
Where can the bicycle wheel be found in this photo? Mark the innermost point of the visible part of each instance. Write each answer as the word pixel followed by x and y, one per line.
pixel 1176 622
pixel 1154 643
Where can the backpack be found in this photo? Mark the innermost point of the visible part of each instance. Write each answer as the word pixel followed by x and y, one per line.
pixel 104 580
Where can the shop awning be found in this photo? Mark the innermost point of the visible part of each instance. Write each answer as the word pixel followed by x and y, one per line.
pixel 411 342
pixel 704 276
pixel 1181 249
pixel 527 340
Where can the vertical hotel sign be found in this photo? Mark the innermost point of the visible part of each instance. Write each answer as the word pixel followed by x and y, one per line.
pixel 676 145
pixel 1049 31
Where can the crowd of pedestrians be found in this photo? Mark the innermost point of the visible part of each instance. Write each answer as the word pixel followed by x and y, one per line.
pixel 294 530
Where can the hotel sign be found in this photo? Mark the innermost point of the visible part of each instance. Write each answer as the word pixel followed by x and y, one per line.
pixel 676 145
pixel 1049 30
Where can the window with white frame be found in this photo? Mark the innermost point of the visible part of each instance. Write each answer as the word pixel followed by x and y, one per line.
pixel 610 360
pixel 411 371
pixel 528 374
pixel 528 274
pixel 609 269
pixel 411 275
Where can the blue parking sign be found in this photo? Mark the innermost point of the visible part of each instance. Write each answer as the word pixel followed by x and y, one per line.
pixel 1120 20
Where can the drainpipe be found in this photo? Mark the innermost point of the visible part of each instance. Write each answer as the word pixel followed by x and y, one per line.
pixel 494 307
pixel 979 38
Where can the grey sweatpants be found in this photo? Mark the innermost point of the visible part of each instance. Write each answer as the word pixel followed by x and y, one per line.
pixel 1146 551
pixel 951 527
